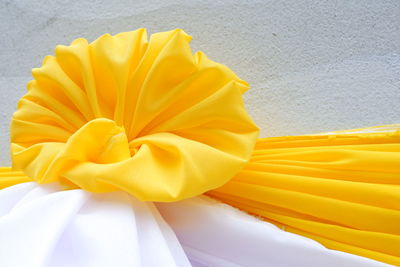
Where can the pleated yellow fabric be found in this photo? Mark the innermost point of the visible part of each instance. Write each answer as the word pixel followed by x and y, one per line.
pixel 341 189
pixel 122 113
pixel 8 177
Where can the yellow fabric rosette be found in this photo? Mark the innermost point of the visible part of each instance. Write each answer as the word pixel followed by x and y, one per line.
pixel 124 113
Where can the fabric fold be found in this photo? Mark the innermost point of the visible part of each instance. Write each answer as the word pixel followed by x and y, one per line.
pixel 122 113
pixel 215 234
pixel 341 189
pixel 45 226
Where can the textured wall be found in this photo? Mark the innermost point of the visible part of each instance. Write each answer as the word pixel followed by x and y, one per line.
pixel 313 65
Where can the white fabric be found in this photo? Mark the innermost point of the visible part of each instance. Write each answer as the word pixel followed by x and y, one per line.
pixel 215 234
pixel 41 226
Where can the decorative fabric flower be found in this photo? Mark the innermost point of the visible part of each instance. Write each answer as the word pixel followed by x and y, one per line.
pixel 124 113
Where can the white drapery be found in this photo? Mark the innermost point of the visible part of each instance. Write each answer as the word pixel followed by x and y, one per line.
pixel 41 226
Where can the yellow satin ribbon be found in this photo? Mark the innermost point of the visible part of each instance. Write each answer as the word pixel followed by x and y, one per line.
pixel 155 120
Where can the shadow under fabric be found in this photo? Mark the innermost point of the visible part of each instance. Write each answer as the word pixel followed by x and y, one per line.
pixel 80 126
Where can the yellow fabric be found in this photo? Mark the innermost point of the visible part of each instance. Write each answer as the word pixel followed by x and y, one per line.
pixel 152 119
pixel 122 113
pixel 8 177
pixel 341 189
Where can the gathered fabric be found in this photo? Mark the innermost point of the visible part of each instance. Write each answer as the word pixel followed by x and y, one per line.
pixel 155 120
pixel 124 113
pixel 341 189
